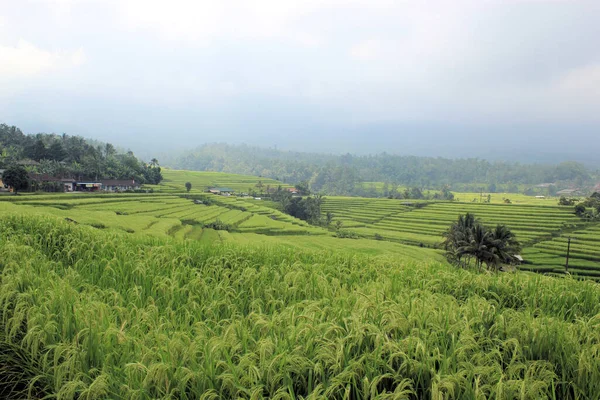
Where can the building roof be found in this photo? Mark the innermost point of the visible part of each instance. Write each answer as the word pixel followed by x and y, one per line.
pixel 118 182
pixel 43 177
pixel 224 189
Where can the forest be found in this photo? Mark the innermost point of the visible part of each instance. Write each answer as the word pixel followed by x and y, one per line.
pixel 347 174
pixel 66 156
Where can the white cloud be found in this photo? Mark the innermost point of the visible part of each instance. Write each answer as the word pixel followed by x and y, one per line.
pixel 26 60
pixel 205 21
pixel 370 49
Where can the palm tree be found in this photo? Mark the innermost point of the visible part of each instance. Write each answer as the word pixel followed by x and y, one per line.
pixel 504 244
pixel 480 246
pixel 458 237
pixel 467 238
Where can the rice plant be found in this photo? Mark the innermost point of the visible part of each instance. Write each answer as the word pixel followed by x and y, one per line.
pixel 98 314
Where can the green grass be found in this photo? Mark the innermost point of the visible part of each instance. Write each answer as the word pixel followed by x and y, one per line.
pixel 174 181
pixel 94 314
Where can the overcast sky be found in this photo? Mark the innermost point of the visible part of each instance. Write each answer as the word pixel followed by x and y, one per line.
pixel 337 75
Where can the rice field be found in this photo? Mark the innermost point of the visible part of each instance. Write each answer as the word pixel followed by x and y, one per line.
pixel 404 227
pixel 543 229
pixel 91 313
pixel 549 256
pixel 174 181
pixel 424 222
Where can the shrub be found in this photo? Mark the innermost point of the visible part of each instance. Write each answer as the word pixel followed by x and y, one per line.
pixel 218 225
pixel 345 234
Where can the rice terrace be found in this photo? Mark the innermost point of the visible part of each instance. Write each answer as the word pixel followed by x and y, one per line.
pixel 299 200
pixel 184 294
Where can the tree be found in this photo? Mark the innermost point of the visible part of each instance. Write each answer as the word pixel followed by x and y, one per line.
pixel 188 186
pixel 468 238
pixel 16 177
pixel 328 218
pixel 57 151
pixel 260 186
pixel 563 201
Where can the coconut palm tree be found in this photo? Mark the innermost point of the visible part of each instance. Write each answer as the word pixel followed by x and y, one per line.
pixel 457 237
pixel 504 244
pixel 480 246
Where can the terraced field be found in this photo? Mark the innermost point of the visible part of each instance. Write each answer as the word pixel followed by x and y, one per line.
pixel 549 256
pixel 174 181
pixel 424 222
pixel 97 314
pixel 173 216
pixel 412 229
pixel 543 229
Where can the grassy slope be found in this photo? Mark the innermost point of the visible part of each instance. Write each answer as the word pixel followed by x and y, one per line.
pixel 87 313
pixel 174 181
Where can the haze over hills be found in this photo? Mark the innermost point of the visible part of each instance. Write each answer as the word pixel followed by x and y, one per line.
pixel 442 79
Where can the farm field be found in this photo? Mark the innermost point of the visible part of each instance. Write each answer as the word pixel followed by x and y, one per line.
pixel 409 228
pixel 174 181
pixel 102 314
pixel 542 229
pixel 549 256
pixel 424 222
pixel 174 217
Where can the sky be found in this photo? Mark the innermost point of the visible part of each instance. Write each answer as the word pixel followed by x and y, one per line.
pixel 489 78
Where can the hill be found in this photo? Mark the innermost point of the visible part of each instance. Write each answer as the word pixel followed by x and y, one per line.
pixel 351 174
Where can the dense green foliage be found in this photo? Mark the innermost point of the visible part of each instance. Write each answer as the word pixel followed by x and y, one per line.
pixel 468 238
pixel 589 209
pixel 86 313
pixel 65 156
pixel 16 177
pixel 343 175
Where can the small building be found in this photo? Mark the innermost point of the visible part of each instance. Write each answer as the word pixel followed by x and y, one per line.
pixel 293 190
pixel 540 197
pixel 119 185
pixel 87 186
pixel 225 191
pixel 45 182
pixel 68 184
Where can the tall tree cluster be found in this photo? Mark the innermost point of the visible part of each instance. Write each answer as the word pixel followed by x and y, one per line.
pixel 467 240
pixel 65 156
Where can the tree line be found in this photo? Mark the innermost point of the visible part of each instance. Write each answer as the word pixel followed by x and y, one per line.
pixel 66 156
pixel 347 174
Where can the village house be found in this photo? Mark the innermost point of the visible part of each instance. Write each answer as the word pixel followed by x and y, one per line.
pixel 116 185
pixel 68 184
pixel 87 186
